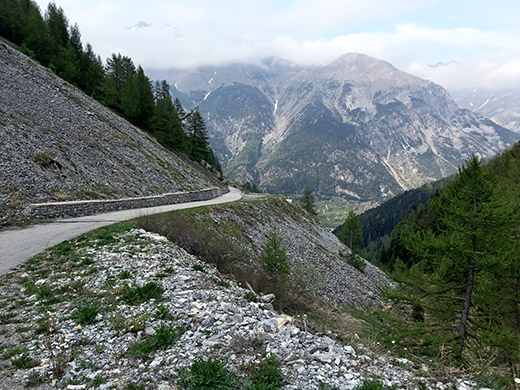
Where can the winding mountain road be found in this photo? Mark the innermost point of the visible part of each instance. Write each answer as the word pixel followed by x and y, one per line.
pixel 19 245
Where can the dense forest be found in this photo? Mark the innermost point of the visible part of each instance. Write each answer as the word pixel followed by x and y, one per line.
pixel 118 84
pixel 457 262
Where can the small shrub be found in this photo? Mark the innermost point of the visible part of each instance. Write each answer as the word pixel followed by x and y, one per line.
pixel 12 352
pixel 138 322
pixel 45 326
pixel 206 374
pixel 371 384
pixel 164 337
pixel 267 377
pixel 163 313
pixel 222 283
pixel 125 274
pixel 43 159
pixel 138 295
pixel 198 267
pixel 86 315
pixel 250 296
pixel 35 379
pixel 98 381
pixel 24 361
pixel 118 322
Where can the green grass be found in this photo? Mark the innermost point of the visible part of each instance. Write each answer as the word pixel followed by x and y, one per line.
pixel 222 283
pixel 24 361
pixel 250 296
pixel 207 374
pixel 86 315
pixel 198 267
pixel 138 295
pixel 267 377
pixel 98 381
pixel 163 313
pixel 12 352
pixel 165 336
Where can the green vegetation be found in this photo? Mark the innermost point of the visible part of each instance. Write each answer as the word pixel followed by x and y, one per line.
pixel 163 313
pixel 141 294
pixel 371 384
pixel 250 296
pixel 43 159
pixel 350 234
pixel 86 315
pixel 118 85
pixel 198 267
pixel 275 262
pixel 24 361
pixel 207 374
pixel 165 336
pixel 307 202
pixel 267 376
pixel 456 260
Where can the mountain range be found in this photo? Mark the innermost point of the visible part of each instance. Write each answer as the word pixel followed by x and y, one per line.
pixel 501 106
pixel 357 128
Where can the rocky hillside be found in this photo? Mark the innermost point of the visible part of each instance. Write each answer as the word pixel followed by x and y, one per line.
pixel 129 310
pixel 318 261
pixel 357 128
pixel 59 144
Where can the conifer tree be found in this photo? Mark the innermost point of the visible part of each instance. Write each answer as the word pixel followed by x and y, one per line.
pixel 146 100
pixel 350 234
pixel 462 261
pixel 307 202
pixel 166 125
pixel 199 148
pixel 274 257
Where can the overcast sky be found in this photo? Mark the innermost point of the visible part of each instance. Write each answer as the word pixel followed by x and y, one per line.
pixel 456 43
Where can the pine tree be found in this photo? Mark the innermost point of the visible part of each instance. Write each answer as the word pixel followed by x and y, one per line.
pixel 166 125
pixel 463 260
pixel 146 100
pixel 350 234
pixel 307 202
pixel 199 148
pixel 274 257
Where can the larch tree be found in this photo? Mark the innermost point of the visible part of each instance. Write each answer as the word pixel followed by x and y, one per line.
pixel 307 202
pixel 351 232
pixel 463 260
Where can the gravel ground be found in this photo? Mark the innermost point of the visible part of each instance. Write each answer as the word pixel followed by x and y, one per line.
pixel 79 316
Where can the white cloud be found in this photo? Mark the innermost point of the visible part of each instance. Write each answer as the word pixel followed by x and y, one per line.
pixel 198 32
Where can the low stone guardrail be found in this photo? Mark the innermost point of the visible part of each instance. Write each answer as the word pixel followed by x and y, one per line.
pixel 80 208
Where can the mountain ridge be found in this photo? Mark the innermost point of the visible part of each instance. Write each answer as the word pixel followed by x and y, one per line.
pixel 357 128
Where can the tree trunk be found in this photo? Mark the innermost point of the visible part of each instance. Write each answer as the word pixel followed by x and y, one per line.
pixel 470 281
pixel 462 331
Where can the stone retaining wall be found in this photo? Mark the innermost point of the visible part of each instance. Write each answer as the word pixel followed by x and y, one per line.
pixel 54 210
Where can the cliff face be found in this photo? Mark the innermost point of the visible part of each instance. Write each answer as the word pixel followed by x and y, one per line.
pixel 59 144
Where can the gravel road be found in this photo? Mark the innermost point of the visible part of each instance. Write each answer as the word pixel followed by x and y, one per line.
pixel 19 245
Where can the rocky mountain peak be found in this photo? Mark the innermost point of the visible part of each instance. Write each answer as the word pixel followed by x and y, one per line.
pixel 358 129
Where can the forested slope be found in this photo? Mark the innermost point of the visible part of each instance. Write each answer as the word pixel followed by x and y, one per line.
pixel 457 262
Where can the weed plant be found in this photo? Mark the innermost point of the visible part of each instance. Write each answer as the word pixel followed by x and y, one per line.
pixel 86 315
pixel 207 374
pixel 164 337
pixel 138 295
